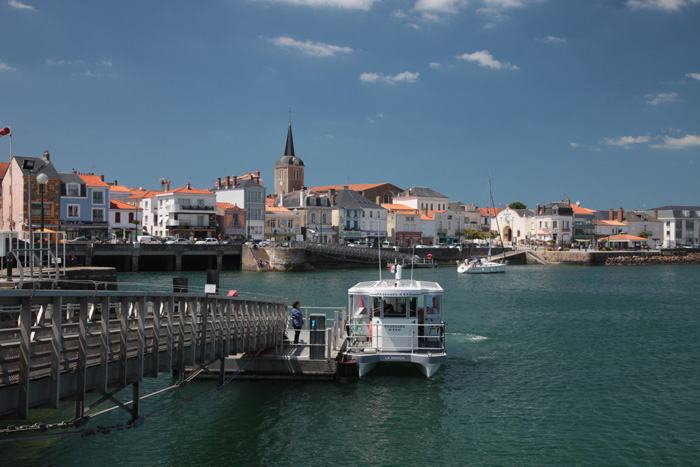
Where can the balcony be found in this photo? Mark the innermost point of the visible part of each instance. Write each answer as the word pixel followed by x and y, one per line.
pixel 193 207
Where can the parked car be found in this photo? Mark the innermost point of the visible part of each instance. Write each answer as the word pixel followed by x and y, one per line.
pixel 178 241
pixel 79 240
pixel 207 241
pixel 233 241
pixel 387 244
pixel 149 240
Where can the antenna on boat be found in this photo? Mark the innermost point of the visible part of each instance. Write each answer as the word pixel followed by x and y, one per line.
pixel 413 260
pixel 379 256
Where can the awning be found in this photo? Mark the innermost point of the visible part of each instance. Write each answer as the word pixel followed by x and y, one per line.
pixel 582 240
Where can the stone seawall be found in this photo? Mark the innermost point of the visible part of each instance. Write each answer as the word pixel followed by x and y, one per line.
pixel 578 257
pixel 678 258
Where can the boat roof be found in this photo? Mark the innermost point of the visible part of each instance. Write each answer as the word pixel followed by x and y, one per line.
pixel 401 287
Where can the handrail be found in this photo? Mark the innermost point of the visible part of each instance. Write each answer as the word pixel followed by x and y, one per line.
pixel 368 336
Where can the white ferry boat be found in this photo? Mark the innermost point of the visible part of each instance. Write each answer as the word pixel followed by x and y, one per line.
pixel 396 320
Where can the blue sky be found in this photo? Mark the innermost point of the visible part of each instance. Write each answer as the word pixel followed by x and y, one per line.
pixel 597 101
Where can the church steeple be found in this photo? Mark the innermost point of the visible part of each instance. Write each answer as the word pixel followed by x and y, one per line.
pixel 289 169
pixel 289 149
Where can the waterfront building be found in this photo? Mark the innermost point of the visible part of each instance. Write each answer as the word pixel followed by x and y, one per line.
pixel 124 220
pixel 553 223
pixel 282 224
pixel 76 208
pixel 16 194
pixel 184 212
pixel 449 226
pixel 380 193
pixel 119 192
pixel 247 192
pixel 356 218
pixel 428 228
pixel 640 221
pixel 289 169
pixel 422 198
pixel 316 214
pixel 681 225
pixel 230 220
pixel 514 226
pixel 403 224
pixel 583 224
pixel 471 216
pixel 610 226
pixel 487 215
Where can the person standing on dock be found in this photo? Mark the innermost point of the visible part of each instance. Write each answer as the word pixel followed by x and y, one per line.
pixel 297 321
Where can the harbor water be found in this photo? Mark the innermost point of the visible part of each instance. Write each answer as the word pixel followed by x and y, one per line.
pixel 546 366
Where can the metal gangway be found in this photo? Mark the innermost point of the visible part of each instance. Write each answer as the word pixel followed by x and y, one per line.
pixel 57 345
pixel 358 254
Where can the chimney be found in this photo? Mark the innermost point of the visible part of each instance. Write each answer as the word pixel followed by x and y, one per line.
pixel 74 171
pixel 379 200
pixel 331 192
pixel 102 178
pixel 257 173
pixel 188 185
pixel 115 183
pixel 281 199
pixel 228 181
pixel 47 156
pixel 568 201
pixel 346 187
pixel 218 182
pixel 612 215
pixel 234 181
pixel 619 215
pixel 537 212
pixel 656 213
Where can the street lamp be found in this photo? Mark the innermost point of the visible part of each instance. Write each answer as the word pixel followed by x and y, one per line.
pixel 42 179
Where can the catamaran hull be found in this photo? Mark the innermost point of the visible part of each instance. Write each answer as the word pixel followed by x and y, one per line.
pixel 428 364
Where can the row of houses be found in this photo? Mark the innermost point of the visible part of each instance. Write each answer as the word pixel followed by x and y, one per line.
pixel 85 205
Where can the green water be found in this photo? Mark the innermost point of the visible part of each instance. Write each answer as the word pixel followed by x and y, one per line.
pixel 546 366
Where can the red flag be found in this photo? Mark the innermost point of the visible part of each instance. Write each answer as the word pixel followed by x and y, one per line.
pixel 5 131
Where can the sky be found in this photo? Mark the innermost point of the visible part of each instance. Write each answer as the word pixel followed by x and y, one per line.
pixel 596 101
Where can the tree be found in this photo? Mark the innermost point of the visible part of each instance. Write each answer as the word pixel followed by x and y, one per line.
pixel 475 234
pixel 517 205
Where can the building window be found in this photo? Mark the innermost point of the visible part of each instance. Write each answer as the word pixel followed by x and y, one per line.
pixel 73 211
pixel 324 219
pixel 98 197
pixel 72 189
pixel 117 217
pixel 313 217
pixel 131 217
pixel 98 215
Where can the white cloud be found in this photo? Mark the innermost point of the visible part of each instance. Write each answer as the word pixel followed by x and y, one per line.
pixel 668 5
pixel 435 65
pixel 574 145
pixel 374 118
pixel 484 58
pixel 104 62
pixel 626 141
pixel 687 141
pixel 552 40
pixel 340 4
pixel 316 49
pixel 441 6
pixel 693 75
pixel 6 67
pixel 20 5
pixel 661 98
pixel 405 77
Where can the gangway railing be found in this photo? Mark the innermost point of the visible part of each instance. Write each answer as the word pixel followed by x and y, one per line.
pixel 335 330
pixel 64 344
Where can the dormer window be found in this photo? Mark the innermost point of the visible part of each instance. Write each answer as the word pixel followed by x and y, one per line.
pixel 72 189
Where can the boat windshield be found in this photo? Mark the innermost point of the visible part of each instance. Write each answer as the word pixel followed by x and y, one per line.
pixel 395 307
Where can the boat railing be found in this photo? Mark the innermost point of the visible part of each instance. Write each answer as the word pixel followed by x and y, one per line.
pixel 402 336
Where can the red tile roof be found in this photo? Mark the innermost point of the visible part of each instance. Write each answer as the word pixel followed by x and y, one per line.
pixel 93 180
pixel 116 204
